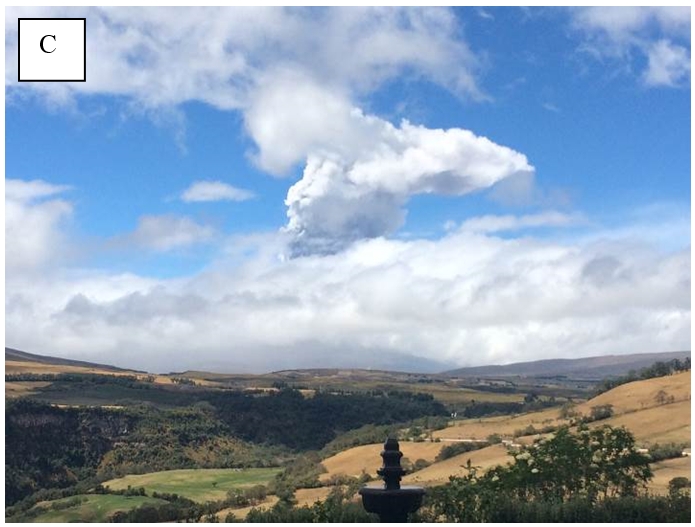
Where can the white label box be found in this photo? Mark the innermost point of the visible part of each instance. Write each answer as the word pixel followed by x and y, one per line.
pixel 52 49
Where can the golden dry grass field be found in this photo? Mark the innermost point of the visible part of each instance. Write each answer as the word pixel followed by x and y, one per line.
pixel 367 458
pixel 16 366
pixel 640 395
pixel 20 389
pixel 439 473
pixel 669 423
pixel 311 496
pixel 504 425
pixel 242 512
pixel 665 471
pixel 639 406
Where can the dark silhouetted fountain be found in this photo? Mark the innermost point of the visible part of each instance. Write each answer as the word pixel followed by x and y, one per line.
pixel 392 502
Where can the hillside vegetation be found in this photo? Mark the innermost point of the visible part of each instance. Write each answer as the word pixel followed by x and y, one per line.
pixel 656 411
pixel 205 447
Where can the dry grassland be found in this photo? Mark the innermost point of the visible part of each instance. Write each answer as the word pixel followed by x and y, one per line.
pixel 636 406
pixel 20 389
pixel 640 395
pixel 669 423
pixel 242 512
pixel 665 471
pixel 311 496
pixel 439 473
pixel 367 458
pixel 504 425
pixel 15 366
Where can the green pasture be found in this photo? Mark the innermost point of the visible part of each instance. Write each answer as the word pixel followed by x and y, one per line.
pixel 91 508
pixel 199 485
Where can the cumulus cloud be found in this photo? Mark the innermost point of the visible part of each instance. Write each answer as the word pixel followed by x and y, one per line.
pixel 659 34
pixel 167 232
pixel 163 57
pixel 669 64
pixel 293 74
pixel 34 224
pixel 214 191
pixel 359 190
pixel 468 298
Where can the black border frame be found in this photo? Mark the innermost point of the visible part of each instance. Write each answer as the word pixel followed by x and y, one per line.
pixel 84 43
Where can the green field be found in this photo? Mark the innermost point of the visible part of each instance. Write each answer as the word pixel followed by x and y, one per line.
pixel 200 485
pixel 91 508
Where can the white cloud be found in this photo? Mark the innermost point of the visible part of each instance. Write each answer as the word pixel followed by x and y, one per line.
pixel 28 191
pixel 358 189
pixel 467 298
pixel 167 232
pixel 161 57
pixel 214 191
pixel 491 224
pixel 293 74
pixel 659 34
pixel 623 24
pixel 33 221
pixel 669 65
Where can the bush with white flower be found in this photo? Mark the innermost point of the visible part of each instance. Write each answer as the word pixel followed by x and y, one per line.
pixel 587 464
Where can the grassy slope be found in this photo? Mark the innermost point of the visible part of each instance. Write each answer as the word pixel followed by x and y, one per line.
pixel 200 485
pixel 367 458
pixel 639 395
pixel 665 471
pixel 311 496
pixel 439 473
pixel 241 512
pixel 16 366
pixel 303 497
pixel 21 389
pixel 636 407
pixel 93 508
pixel 504 425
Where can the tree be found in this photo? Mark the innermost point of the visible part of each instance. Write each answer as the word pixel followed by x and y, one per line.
pixel 678 485
pixel 603 411
pixel 589 465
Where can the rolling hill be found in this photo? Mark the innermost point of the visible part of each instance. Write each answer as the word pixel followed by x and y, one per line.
pixel 588 368
pixel 656 411
pixel 13 355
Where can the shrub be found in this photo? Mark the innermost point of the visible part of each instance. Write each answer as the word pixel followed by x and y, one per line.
pixel 455 449
pixel 591 465
pixel 600 412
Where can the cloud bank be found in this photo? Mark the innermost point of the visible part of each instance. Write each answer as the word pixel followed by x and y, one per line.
pixel 470 297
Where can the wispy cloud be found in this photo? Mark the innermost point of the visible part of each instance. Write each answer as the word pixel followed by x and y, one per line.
pixel 167 232
pixel 214 191
pixel 551 107
pixel 493 224
pixel 661 35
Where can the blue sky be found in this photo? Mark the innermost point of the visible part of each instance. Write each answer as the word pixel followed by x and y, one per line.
pixel 279 191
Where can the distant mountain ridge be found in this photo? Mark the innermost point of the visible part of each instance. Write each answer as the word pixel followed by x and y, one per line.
pixel 587 368
pixel 16 355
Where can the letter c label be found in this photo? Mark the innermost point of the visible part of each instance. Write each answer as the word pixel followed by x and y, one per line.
pixel 41 43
